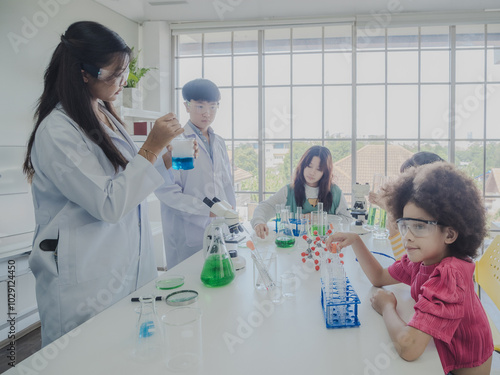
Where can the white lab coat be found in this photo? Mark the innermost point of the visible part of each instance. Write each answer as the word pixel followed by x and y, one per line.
pixel 100 218
pixel 184 215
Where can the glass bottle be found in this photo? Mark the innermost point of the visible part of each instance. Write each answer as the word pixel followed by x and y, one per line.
pixel 218 269
pixel 149 338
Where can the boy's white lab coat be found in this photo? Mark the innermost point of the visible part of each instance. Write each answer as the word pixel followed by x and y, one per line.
pixel 100 218
pixel 184 215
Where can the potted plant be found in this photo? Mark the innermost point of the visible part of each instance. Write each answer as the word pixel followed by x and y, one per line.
pixel 132 95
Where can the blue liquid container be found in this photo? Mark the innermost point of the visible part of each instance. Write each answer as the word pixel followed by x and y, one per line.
pixel 183 163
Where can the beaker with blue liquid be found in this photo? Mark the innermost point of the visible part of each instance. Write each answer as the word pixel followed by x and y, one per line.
pixel 182 153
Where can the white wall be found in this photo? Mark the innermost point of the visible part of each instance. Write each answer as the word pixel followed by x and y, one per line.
pixel 39 24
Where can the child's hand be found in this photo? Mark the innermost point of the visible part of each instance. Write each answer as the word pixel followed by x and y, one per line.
pixel 381 299
pixel 261 230
pixel 342 239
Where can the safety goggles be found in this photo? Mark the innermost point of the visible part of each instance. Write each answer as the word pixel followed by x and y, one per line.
pixel 108 77
pixel 418 227
pixel 203 108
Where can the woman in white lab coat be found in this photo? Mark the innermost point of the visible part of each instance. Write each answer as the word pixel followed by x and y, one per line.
pixel 92 243
pixel 184 215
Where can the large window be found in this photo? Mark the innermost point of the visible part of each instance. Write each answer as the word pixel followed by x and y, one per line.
pixel 372 96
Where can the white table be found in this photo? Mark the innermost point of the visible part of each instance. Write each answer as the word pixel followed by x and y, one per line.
pixel 244 333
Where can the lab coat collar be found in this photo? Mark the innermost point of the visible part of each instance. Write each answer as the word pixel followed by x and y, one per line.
pixel 131 147
pixel 189 132
pixel 126 138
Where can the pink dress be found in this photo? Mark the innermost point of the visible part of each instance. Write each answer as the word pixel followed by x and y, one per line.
pixel 448 308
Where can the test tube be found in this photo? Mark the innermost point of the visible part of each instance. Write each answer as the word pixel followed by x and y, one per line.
pixel 298 222
pixel 321 230
pixel 277 208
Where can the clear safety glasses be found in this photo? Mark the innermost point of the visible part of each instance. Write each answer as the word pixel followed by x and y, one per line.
pixel 418 227
pixel 113 78
pixel 108 77
pixel 203 108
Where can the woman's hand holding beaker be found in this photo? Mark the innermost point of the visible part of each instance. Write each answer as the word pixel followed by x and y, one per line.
pixel 165 129
pixel 167 157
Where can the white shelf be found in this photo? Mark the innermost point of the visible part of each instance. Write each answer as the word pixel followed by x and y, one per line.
pixel 138 138
pixel 140 113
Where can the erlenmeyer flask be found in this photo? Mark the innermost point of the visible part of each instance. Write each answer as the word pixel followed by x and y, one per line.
pixel 218 269
pixel 284 237
pixel 149 339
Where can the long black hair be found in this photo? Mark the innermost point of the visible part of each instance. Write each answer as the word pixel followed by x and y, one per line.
pixel 85 43
pixel 324 184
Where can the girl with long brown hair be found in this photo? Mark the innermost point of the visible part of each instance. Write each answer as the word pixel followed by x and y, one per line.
pixel 313 183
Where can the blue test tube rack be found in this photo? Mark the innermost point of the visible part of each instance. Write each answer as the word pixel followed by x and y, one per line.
pixel 294 225
pixel 333 306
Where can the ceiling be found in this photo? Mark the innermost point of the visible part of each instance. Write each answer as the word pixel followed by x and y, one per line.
pixel 239 10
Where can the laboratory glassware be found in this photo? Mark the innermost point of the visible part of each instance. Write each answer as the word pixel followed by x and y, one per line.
pixel 148 337
pixel 182 153
pixel 284 237
pixel 218 269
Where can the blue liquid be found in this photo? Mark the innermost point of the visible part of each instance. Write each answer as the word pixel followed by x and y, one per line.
pixel 183 163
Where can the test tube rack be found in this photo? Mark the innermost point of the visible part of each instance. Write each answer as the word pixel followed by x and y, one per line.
pixel 340 312
pixel 338 298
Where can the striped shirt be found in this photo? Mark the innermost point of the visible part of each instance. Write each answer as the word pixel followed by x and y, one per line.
pixel 397 246
pixel 448 309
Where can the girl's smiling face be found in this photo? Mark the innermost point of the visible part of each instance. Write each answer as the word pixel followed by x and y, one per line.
pixel 432 248
pixel 313 172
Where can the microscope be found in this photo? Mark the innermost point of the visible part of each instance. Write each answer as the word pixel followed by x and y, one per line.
pixel 359 208
pixel 223 209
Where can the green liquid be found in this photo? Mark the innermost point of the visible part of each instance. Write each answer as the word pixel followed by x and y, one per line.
pixel 217 271
pixel 285 242
pixel 321 231
pixel 383 218
pixel 372 213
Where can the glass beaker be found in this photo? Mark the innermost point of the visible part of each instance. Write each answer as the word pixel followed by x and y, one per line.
pixel 319 223
pixel 218 269
pixel 270 264
pixel 184 339
pixel 182 153
pixel 148 337
pixel 336 222
pixel 374 210
pixel 380 230
pixel 284 237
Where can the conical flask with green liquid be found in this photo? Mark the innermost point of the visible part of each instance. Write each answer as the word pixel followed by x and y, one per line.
pixel 218 269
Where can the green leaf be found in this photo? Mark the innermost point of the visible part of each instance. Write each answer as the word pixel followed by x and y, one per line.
pixel 136 73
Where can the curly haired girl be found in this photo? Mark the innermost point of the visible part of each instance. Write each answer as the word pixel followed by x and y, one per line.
pixel 442 222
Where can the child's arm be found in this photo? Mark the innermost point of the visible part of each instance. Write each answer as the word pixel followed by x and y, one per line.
pixel 377 275
pixel 409 342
